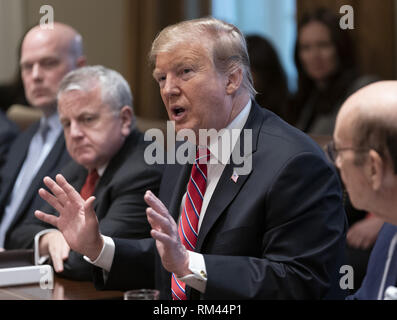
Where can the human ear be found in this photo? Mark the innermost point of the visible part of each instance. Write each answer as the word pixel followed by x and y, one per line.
pixel 81 61
pixel 376 170
pixel 234 80
pixel 126 116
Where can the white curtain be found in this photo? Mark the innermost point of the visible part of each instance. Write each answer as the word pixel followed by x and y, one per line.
pixel 273 19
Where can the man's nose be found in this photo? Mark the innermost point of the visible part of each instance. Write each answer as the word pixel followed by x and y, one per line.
pixel 75 130
pixel 171 87
pixel 37 73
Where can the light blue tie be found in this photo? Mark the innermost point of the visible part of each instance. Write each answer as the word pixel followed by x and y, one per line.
pixel 25 177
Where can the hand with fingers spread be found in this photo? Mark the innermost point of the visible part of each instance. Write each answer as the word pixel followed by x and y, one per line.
pixel 77 219
pixel 174 255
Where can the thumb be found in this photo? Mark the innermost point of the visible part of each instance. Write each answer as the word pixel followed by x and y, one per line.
pixel 89 209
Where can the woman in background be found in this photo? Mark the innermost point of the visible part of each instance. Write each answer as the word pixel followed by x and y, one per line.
pixel 327 75
pixel 327 72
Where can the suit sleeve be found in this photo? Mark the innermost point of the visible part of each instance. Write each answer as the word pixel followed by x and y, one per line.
pixel 301 244
pixel 133 266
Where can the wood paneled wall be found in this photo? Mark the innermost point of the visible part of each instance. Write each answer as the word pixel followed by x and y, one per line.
pixel 374 33
pixel 147 18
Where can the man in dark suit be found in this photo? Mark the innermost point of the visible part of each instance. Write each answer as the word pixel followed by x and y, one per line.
pixel 95 109
pixel 274 231
pixel 46 56
pixel 364 150
pixel 8 132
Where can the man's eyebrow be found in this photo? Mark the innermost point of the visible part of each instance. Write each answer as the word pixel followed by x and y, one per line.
pixel 155 73
pixel 49 57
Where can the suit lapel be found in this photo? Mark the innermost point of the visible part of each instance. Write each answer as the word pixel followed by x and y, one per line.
pixel 12 168
pixel 227 189
pixel 49 163
pixel 180 190
pixel 115 163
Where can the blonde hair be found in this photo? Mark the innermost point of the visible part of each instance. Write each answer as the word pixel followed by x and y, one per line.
pixel 226 44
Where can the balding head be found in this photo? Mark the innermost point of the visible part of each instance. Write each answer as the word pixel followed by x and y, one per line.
pixel 46 56
pixel 377 100
pixel 369 118
pixel 365 140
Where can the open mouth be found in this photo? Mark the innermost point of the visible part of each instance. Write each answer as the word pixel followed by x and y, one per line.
pixel 178 113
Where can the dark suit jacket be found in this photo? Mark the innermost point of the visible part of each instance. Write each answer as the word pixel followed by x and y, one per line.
pixel 119 204
pixel 8 132
pixel 382 266
pixel 55 160
pixel 278 233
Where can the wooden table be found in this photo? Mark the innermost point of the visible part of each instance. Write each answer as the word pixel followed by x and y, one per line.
pixel 63 290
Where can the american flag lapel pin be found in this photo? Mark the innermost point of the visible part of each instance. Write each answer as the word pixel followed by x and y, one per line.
pixel 234 177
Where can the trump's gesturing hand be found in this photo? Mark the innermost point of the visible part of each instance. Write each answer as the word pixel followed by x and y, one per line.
pixel 173 253
pixel 77 219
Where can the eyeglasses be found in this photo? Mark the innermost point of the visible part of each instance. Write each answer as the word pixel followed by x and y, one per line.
pixel 333 152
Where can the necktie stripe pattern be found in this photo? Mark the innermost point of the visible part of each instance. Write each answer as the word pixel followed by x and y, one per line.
pixel 188 223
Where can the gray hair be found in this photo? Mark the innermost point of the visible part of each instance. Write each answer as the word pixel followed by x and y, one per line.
pixel 114 88
pixel 227 46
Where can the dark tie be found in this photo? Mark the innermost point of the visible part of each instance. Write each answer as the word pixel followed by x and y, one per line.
pixel 89 186
pixel 189 220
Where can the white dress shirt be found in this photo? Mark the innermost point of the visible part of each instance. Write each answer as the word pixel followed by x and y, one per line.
pixel 218 161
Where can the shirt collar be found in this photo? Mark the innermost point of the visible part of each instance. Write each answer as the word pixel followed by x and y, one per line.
pixel 102 169
pixel 221 148
pixel 52 121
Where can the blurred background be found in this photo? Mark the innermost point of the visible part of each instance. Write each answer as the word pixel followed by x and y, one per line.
pixel 118 34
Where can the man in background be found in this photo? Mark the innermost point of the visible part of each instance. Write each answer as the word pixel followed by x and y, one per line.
pixel 365 151
pixel 47 55
pixel 95 110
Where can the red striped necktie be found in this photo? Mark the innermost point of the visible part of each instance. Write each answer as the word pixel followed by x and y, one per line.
pixel 189 220
pixel 89 186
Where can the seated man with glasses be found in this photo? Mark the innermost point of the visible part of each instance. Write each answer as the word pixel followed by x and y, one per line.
pixel 365 152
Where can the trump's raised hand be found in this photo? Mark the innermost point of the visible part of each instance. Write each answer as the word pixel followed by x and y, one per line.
pixel 174 255
pixel 77 219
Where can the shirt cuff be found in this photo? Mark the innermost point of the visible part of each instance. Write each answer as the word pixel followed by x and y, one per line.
pixel 198 278
pixel 105 258
pixel 38 260
pixel 391 293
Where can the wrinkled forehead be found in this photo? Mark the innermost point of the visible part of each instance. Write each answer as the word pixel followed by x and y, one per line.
pixel 170 42
pixel 182 52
